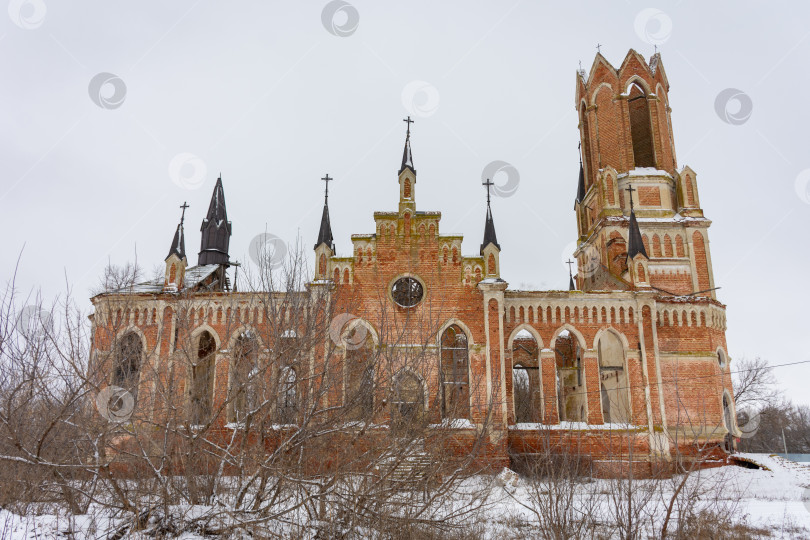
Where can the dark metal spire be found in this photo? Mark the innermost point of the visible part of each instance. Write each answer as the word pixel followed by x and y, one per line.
pixel 489 227
pixel 216 230
pixel 635 243
pixel 325 232
pixel 407 156
pixel 179 241
pixel 571 286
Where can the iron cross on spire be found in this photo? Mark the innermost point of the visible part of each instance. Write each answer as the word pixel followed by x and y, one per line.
pixel 599 48
pixel 569 262
pixel 183 215
pixel 326 180
pixel 409 121
pixel 631 190
pixel 488 183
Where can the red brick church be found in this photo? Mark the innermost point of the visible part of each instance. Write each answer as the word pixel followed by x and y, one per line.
pixel 418 325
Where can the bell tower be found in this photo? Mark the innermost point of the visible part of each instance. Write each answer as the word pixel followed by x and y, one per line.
pixel 630 189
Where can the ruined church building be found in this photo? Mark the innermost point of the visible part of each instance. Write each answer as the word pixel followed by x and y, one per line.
pixel 637 344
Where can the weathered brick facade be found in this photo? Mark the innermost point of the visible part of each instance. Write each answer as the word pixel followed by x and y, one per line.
pixel 640 343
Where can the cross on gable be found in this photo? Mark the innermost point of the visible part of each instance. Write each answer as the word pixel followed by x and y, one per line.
pixel 488 183
pixel 409 121
pixel 599 47
pixel 630 190
pixel 183 215
pixel 327 179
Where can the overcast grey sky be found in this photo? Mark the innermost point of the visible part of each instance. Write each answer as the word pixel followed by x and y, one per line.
pixel 264 93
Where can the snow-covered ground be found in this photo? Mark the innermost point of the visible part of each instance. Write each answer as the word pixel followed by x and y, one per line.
pixel 775 498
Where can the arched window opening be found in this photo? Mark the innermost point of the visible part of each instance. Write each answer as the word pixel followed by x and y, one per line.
pixel 202 380
pixel 640 127
pixel 526 378
pixel 173 273
pixel 721 359
pixel 408 401
pixel 287 410
pixel 613 380
pixel 406 190
pixel 126 373
pixel 454 373
pixel 570 387
pixel 245 384
pixel 359 375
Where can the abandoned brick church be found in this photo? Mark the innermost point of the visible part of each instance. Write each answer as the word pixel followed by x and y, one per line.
pixel 636 345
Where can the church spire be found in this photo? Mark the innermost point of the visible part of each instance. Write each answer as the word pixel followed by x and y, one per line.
pixel 179 242
pixel 635 244
pixel 325 232
pixel 571 285
pixel 489 227
pixel 407 156
pixel 216 230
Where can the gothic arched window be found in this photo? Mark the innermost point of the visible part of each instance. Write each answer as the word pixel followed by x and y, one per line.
pixel 126 372
pixel 570 383
pixel 360 376
pixel 454 373
pixel 526 378
pixel 287 411
pixel 614 387
pixel 202 380
pixel 408 400
pixel 245 385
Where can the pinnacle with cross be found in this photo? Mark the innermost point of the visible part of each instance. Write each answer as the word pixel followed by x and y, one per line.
pixel 569 262
pixel 409 121
pixel 631 190
pixel 488 183
pixel 183 215
pixel 599 48
pixel 326 180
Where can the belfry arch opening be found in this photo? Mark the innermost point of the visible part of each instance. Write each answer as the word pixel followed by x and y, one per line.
pixel 613 385
pixel 640 127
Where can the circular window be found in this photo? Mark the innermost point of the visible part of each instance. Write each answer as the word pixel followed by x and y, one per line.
pixel 407 292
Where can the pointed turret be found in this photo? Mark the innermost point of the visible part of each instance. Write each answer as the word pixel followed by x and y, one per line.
pixel 324 246
pixel 325 232
pixel 176 261
pixel 178 243
pixel 216 230
pixel 407 177
pixel 489 227
pixel 635 243
pixel 490 248
pixel 407 155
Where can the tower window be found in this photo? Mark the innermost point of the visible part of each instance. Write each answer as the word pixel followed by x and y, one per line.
pixel 640 128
